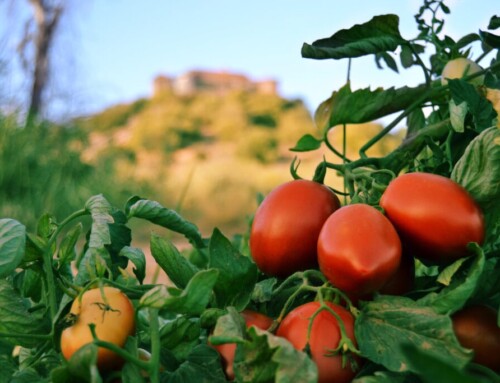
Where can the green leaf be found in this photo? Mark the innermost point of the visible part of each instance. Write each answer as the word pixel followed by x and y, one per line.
pixel 490 39
pixel 467 39
pixel 46 225
pixel 480 108
pixel 478 171
pixel 12 245
pixel 192 300
pixel 265 357
pixel 415 121
pixel 406 56
pixel 16 318
pixel 431 368
pixel 202 366
pixel 307 143
pixel 380 34
pixel 237 273
pixel 457 115
pixel 494 22
pixel 168 218
pixel 387 377
pixel 230 328
pixel 445 276
pixel 100 210
pixel 388 59
pixel 137 257
pixel 180 335
pixel 82 364
pixel 67 253
pixel 131 373
pixel 27 375
pixel 388 321
pixel 462 285
pixel 365 105
pixel 176 266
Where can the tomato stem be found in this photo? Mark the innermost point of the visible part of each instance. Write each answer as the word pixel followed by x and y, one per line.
pixel 154 363
pixel 118 350
pixel 48 267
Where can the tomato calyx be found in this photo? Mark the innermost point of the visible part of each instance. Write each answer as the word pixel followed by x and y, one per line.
pixel 346 347
pixel 105 307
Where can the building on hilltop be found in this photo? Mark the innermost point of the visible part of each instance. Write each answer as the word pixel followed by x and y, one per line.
pixel 217 82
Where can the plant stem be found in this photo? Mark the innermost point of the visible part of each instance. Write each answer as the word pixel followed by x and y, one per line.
pixel 154 363
pixel 47 263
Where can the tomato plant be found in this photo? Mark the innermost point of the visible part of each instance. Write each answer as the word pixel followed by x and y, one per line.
pixel 476 327
pixel 319 330
pixel 227 350
pixel 435 217
pixel 434 250
pixel 461 67
pixel 286 226
pixel 358 249
pixel 112 314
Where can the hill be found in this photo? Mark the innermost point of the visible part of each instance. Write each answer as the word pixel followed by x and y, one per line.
pixel 209 154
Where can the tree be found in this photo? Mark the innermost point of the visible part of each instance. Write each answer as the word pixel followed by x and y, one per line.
pixel 46 17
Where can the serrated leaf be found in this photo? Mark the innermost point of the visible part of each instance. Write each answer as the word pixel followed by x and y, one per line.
pixel 365 105
pixel 387 321
pixel 415 121
pixel 174 264
pixel 406 56
pixel 490 39
pixel 12 245
pixel 478 171
pixel 237 273
pixel 457 115
pixel 16 318
pixel 447 274
pixel 380 34
pixel 46 225
pixel 467 39
pixel 461 288
pixel 100 210
pixel 180 335
pixel 192 300
pixel 66 252
pixel 265 357
pixel 307 143
pixel 137 257
pixel 494 22
pixel 154 212
pixel 431 368
pixel 202 365
pixel 480 108
pixel 389 61
pixel 387 377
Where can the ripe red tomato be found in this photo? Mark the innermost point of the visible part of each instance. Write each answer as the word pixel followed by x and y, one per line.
pixel 476 328
pixel 286 226
pixel 435 217
pixel 114 321
pixel 358 249
pixel 324 337
pixel 228 350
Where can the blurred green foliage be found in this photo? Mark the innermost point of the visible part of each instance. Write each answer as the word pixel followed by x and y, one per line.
pixel 206 155
pixel 41 171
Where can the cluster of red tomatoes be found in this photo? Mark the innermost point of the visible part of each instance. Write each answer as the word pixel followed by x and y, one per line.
pixel 358 248
pixel 301 225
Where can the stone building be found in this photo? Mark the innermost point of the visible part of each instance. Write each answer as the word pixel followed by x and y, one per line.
pixel 217 82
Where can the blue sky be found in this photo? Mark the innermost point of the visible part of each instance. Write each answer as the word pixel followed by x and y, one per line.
pixel 112 49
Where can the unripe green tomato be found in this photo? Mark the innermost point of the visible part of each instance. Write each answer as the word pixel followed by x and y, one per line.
pixel 459 68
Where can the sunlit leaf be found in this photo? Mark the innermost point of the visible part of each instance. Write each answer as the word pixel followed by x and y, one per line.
pixel 380 34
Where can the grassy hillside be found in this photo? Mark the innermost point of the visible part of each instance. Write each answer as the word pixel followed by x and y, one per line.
pixel 207 156
pixel 210 156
